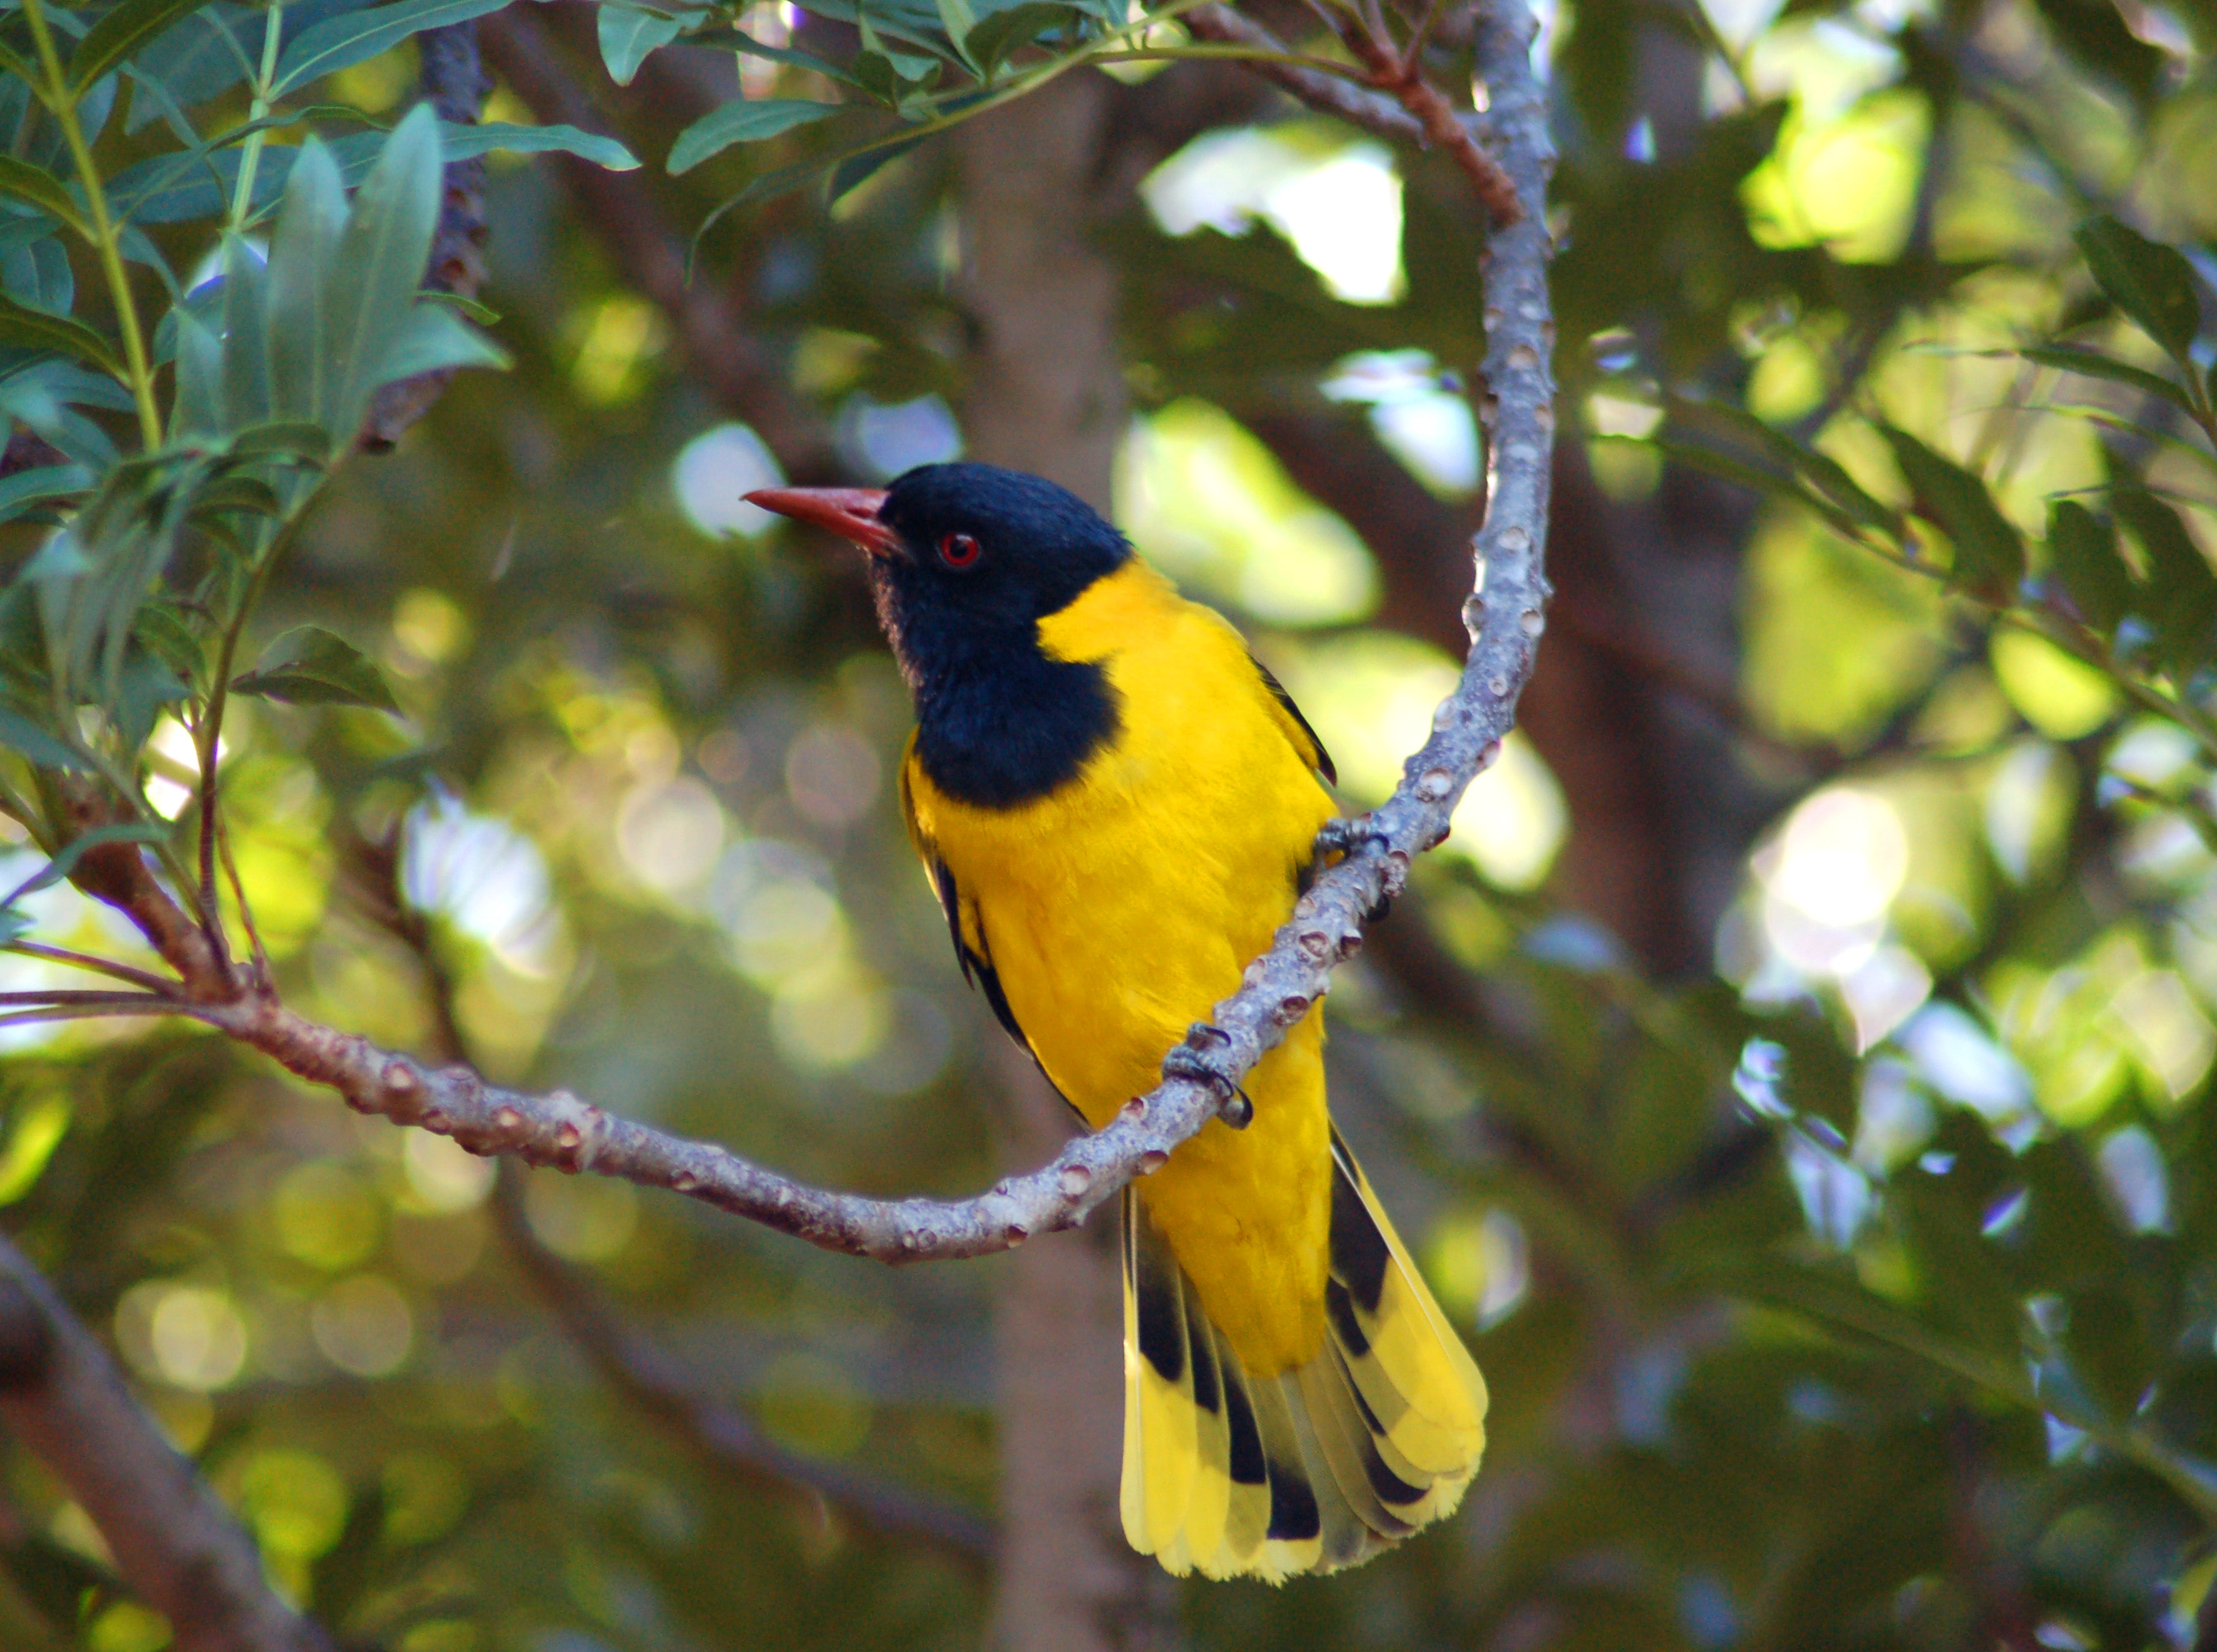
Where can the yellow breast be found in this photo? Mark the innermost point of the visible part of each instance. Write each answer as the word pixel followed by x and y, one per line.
pixel 1118 910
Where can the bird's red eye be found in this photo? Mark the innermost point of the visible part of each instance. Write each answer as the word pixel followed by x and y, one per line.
pixel 958 549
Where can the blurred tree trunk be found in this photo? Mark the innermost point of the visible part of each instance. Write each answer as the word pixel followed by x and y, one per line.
pixel 1046 394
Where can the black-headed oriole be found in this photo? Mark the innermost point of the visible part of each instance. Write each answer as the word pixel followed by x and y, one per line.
pixel 1117 806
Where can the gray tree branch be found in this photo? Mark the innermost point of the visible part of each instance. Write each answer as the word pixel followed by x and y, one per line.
pixel 174 1542
pixel 1504 616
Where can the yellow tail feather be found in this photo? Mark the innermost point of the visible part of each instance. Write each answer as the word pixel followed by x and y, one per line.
pixel 1233 1472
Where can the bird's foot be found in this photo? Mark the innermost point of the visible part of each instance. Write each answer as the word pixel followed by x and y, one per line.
pixel 1191 1061
pixel 1343 833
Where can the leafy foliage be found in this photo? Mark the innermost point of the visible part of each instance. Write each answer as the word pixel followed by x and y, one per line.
pixel 1855 1293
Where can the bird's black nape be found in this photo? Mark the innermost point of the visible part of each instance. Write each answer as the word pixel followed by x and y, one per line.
pixel 983 556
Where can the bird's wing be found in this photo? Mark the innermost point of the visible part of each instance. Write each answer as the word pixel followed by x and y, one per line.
pixel 964 926
pixel 1295 727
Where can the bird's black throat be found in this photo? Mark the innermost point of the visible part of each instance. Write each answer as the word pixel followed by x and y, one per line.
pixel 999 723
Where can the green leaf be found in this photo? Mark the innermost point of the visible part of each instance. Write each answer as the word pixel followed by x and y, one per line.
pixel 41 329
pixel 461 143
pixel 743 122
pixel 121 32
pixel 245 398
pixel 1989 553
pixel 434 339
pixel 163 632
pixel 2094 365
pixel 199 408
pixel 39 275
pixel 302 255
pixel 380 265
pixel 742 42
pixel 1730 468
pixel 357 36
pixel 45 484
pixel 36 186
pixel 291 439
pixel 2180 597
pixel 128 832
pixel 629 33
pixel 47 750
pixel 2082 554
pixel 311 666
pixel 1818 471
pixel 959 20
pixel 2151 283
pixel 996 36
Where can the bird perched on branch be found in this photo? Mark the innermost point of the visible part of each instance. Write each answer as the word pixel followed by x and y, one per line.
pixel 1118 806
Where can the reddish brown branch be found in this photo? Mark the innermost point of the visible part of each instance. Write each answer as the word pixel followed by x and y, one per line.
pixel 1401 104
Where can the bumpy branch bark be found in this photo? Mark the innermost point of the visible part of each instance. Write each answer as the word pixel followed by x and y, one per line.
pixel 174 1541
pixel 1505 618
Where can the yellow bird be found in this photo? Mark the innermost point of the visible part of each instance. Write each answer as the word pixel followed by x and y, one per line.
pixel 1118 806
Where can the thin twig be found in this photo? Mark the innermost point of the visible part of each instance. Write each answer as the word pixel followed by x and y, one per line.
pixel 125 1004
pixel 106 966
pixel 1391 73
pixel 1374 112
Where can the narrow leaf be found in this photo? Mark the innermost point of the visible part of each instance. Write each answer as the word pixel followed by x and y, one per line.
pixel 433 339
pixel 45 483
pixel 741 121
pixel 302 255
pixel 629 33
pixel 1989 553
pixel 121 32
pixel 246 338
pixel 461 143
pixel 129 831
pixel 199 409
pixel 2094 365
pixel 2180 595
pixel 1002 32
pixel 311 666
pixel 2151 283
pixel 959 20
pixel 21 734
pixel 36 186
pixel 41 329
pixel 357 36
pixel 2082 554
pixel 380 265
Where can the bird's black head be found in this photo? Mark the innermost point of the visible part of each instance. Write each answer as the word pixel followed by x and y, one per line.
pixel 987 549
pixel 967 559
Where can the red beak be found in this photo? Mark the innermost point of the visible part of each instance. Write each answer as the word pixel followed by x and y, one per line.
pixel 850 513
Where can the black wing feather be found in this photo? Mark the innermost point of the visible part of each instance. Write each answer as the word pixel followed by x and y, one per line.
pixel 1278 693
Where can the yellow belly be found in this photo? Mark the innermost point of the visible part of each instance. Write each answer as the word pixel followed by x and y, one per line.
pixel 1119 910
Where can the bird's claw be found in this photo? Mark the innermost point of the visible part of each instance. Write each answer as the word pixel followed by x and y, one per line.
pixel 1342 836
pixel 1343 833
pixel 1189 1061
